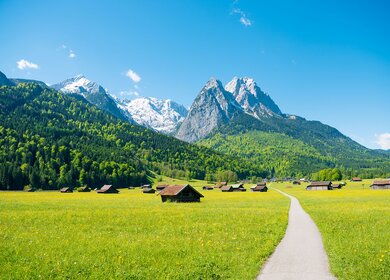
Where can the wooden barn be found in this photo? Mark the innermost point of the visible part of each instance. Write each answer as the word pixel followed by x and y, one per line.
pixel 319 186
pixel 179 193
pixel 161 187
pixel 226 188
pixel 296 183
pixel 84 189
pixel 238 188
pixel 107 189
pixel 220 185
pixel 337 186
pixel 356 179
pixel 208 188
pixel 66 190
pixel 148 190
pixel 381 185
pixel 259 188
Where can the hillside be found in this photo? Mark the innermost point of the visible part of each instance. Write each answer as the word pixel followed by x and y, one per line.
pixel 49 140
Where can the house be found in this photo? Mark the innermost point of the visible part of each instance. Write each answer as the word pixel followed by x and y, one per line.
pixel 84 189
pixel 107 189
pixel 226 188
pixel 238 188
pixel 356 179
pixel 337 186
pixel 180 193
pixel 259 188
pixel 381 185
pixel 207 188
pixel 161 187
pixel 66 190
pixel 318 186
pixel 148 190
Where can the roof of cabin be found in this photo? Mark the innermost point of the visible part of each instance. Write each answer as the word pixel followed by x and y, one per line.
pixel 177 189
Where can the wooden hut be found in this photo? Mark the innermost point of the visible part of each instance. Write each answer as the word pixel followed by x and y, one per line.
pixel 337 186
pixel 107 189
pixel 146 186
pixel 179 193
pixel 381 185
pixel 319 186
pixel 296 183
pixel 207 188
pixel 84 189
pixel 220 185
pixel 226 188
pixel 66 190
pixel 238 187
pixel 148 190
pixel 356 179
pixel 161 187
pixel 259 188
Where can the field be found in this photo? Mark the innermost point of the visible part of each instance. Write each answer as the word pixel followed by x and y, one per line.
pixel 49 235
pixel 354 223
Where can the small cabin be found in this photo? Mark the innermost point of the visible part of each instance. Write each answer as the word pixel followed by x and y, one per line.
pixel 161 187
pixel 238 188
pixel 337 186
pixel 107 189
pixel 226 188
pixel 148 190
pixel 146 186
pixel 381 185
pixel 356 179
pixel 179 193
pixel 66 190
pixel 220 185
pixel 84 189
pixel 319 186
pixel 259 188
pixel 207 188
pixel 296 183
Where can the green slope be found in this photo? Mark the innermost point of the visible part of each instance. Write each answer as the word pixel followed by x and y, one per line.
pixel 50 140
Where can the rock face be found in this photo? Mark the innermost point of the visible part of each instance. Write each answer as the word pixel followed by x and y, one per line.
pixel 251 98
pixel 92 92
pixel 213 106
pixel 4 80
pixel 160 115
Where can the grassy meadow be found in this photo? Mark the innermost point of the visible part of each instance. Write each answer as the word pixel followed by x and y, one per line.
pixel 130 235
pixel 355 226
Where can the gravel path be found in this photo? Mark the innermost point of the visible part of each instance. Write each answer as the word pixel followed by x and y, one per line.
pixel 300 255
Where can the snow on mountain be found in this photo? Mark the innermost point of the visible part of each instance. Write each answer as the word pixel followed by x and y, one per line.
pixel 160 115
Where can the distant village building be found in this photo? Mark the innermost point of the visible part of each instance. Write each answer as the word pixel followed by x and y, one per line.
pixel 180 193
pixel 161 187
pixel 318 186
pixel 356 179
pixel 148 190
pixel 107 189
pixel 207 188
pixel 381 185
pixel 261 187
pixel 66 190
pixel 84 189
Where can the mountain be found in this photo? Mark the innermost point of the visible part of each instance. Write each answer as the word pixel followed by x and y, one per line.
pixel 4 81
pixel 254 128
pixel 160 115
pixel 214 106
pixel 92 92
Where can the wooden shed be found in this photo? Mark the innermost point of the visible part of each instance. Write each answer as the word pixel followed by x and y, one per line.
pixel 319 186
pixel 296 183
pixel 84 189
pixel 356 179
pixel 161 187
pixel 238 187
pixel 259 188
pixel 148 190
pixel 226 188
pixel 66 190
pixel 180 193
pixel 337 186
pixel 381 185
pixel 146 186
pixel 107 189
pixel 208 188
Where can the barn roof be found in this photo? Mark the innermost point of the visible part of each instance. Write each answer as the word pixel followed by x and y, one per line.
pixel 356 179
pixel 262 184
pixel 236 186
pixel 259 188
pixel 174 190
pixel 320 184
pixel 225 188
pixel 381 182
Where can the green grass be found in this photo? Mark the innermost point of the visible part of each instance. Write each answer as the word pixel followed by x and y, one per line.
pixel 355 226
pixel 49 235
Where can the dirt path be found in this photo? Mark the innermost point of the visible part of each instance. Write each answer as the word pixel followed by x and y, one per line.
pixel 300 255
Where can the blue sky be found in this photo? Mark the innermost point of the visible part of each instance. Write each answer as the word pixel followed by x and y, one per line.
pixel 323 60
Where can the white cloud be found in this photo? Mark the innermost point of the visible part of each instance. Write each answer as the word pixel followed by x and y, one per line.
pixel 243 18
pixel 71 54
pixel 383 140
pixel 133 76
pixel 24 64
pixel 129 94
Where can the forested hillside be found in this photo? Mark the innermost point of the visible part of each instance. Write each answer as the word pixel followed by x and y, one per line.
pixel 49 140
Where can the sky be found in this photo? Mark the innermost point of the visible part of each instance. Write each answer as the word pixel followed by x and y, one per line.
pixel 322 60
